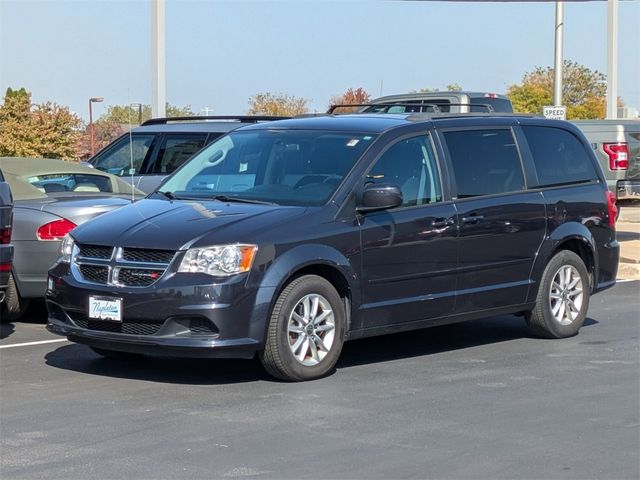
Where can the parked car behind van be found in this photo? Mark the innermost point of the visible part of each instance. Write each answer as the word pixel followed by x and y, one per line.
pixel 285 239
pixel 617 147
pixel 445 102
pixel 6 248
pixel 149 153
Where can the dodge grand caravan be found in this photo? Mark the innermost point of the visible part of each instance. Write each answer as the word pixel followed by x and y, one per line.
pixel 286 239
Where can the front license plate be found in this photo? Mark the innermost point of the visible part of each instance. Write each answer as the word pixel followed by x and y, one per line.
pixel 105 308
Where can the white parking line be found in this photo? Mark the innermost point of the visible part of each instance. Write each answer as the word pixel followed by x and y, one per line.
pixel 33 343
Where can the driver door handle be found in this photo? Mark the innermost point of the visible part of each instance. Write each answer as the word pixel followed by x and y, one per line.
pixel 472 219
pixel 442 222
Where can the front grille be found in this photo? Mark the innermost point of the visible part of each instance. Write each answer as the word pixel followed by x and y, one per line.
pixel 127 326
pixel 95 273
pixel 130 267
pixel 148 256
pixel 135 277
pixel 95 251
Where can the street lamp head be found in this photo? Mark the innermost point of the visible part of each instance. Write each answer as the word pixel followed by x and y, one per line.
pixel 96 99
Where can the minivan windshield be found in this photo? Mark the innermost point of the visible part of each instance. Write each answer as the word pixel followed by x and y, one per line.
pixel 286 167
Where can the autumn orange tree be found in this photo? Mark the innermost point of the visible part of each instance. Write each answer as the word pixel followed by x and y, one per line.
pixel 353 96
pixel 583 91
pixel 37 130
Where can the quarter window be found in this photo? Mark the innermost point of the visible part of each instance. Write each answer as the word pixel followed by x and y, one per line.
pixel 411 165
pixel 485 162
pixel 559 156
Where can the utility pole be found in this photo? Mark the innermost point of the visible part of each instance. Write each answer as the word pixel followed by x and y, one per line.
pixel 612 59
pixel 158 79
pixel 558 62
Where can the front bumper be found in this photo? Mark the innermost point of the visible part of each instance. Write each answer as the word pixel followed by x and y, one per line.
pixel 183 315
pixel 628 190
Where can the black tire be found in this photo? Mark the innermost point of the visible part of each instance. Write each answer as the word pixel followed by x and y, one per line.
pixel 114 354
pixel 278 358
pixel 14 305
pixel 541 320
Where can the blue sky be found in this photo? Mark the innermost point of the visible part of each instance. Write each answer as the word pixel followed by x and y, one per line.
pixel 220 53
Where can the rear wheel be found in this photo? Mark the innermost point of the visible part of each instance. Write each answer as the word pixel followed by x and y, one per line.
pixel 14 305
pixel 306 330
pixel 563 297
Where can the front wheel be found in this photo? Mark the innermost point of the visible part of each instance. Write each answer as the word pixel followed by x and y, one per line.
pixel 306 330
pixel 563 297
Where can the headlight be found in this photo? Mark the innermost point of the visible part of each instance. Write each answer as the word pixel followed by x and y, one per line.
pixel 66 248
pixel 219 261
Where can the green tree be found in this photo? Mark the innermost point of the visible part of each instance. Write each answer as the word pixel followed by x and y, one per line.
pixel 353 96
pixel 277 104
pixel 135 114
pixel 583 91
pixel 42 130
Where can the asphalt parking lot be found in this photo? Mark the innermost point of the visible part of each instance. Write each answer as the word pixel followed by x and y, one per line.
pixel 475 400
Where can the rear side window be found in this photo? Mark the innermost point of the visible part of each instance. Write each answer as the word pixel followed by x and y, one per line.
pixel 498 104
pixel 559 156
pixel 485 162
pixel 177 149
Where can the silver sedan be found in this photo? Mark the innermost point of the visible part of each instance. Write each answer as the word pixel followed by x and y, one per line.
pixel 51 197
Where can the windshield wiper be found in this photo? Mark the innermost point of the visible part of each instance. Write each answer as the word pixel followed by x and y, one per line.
pixel 169 195
pixel 225 198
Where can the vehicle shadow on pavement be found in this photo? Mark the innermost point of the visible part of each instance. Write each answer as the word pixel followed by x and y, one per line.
pixel 6 329
pixel 188 371
pixel 193 371
pixel 627 236
pixel 430 341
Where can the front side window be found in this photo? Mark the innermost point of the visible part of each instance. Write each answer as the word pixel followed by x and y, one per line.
pixel 485 162
pixel 177 149
pixel 128 153
pixel 288 167
pixel 411 165
pixel 558 156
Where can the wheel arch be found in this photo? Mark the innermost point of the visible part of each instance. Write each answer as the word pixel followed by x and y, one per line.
pixel 321 260
pixel 571 236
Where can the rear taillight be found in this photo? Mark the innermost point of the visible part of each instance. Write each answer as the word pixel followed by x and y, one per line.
pixel 612 208
pixel 618 155
pixel 5 267
pixel 55 230
pixel 5 236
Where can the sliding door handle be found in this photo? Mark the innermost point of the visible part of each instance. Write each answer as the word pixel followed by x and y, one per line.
pixel 472 219
pixel 443 222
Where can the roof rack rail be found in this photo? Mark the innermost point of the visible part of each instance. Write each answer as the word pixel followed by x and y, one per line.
pixel 229 118
pixel 414 104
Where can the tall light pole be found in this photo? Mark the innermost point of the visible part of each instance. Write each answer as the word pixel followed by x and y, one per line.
pixel 612 59
pixel 558 62
pixel 158 87
pixel 92 100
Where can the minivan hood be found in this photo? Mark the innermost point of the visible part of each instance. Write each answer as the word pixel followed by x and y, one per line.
pixel 165 225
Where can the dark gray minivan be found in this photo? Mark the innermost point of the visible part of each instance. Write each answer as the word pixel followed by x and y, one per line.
pixel 286 239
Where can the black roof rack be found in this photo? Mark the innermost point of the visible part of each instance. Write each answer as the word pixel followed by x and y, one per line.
pixel 413 104
pixel 228 118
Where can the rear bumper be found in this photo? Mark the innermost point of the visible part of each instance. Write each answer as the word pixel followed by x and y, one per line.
pixel 628 190
pixel 6 257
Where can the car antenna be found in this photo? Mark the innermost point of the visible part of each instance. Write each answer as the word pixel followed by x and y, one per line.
pixel 133 187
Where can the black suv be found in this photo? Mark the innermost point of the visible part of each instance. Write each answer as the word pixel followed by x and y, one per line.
pixel 6 249
pixel 287 238
pixel 151 152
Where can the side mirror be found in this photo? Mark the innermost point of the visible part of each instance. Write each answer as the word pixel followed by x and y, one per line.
pixel 379 196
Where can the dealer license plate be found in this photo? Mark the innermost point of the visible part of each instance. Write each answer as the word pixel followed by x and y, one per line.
pixel 105 308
